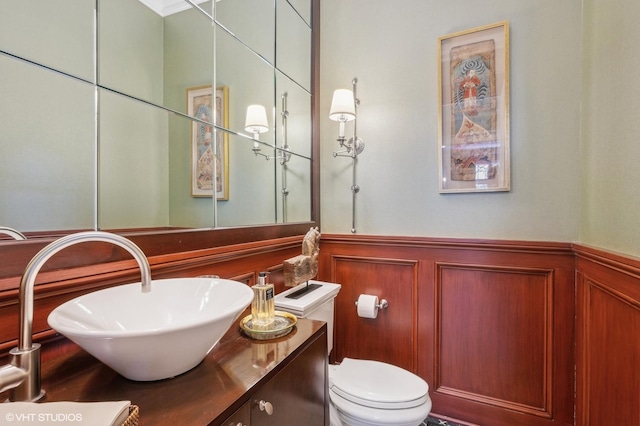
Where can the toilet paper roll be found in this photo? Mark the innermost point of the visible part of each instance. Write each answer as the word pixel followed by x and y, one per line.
pixel 367 306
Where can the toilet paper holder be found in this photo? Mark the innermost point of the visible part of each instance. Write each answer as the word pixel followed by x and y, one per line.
pixel 382 305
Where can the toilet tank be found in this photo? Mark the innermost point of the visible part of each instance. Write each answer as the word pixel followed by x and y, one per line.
pixel 316 303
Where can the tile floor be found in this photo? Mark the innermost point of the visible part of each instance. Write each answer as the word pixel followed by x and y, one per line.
pixel 432 421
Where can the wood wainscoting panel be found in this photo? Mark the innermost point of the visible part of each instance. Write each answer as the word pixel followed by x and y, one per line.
pixel 488 324
pixel 494 336
pixel 608 339
pixel 391 337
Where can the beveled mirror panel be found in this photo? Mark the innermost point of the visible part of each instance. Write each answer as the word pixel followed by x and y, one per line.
pixel 293 197
pixel 185 211
pixel 251 186
pixel 303 8
pixel 134 164
pixel 293 172
pixel 46 146
pixel 298 106
pixel 55 34
pixel 294 44
pixel 249 79
pixel 252 22
pixel 148 56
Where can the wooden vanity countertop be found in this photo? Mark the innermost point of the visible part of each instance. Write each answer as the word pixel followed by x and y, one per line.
pixel 207 394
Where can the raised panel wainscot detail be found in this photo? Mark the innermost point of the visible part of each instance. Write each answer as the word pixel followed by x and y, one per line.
pixel 494 336
pixel 392 336
pixel 608 338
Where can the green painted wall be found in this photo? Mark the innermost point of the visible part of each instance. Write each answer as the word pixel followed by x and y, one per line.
pixel 134 152
pixel 392 51
pixel 611 107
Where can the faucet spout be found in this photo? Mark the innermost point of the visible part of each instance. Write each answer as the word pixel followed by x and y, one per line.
pixel 26 356
pixel 13 233
pixel 29 277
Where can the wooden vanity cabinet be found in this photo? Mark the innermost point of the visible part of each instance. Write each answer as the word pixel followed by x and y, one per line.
pixel 296 395
pixel 242 417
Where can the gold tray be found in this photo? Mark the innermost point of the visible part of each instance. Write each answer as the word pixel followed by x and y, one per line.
pixel 283 323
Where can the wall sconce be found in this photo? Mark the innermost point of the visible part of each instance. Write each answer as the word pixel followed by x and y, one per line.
pixel 344 106
pixel 256 123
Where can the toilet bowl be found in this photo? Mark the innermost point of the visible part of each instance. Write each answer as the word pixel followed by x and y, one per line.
pixel 367 393
pixel 361 392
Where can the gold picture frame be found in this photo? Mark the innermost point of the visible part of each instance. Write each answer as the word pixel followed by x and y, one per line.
pixel 200 106
pixel 473 113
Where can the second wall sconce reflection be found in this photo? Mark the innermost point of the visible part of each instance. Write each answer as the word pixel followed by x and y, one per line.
pixel 344 108
pixel 256 123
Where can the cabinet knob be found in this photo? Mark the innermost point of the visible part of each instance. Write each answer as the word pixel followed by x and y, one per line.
pixel 266 406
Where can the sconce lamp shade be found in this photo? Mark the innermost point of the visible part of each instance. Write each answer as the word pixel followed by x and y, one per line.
pixel 343 106
pixel 256 121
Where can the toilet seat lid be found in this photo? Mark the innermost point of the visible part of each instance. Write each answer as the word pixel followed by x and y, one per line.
pixel 378 385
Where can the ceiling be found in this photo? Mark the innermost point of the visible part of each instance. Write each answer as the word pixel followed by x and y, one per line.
pixel 168 7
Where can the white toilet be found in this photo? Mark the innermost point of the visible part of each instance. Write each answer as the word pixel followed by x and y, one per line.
pixel 362 392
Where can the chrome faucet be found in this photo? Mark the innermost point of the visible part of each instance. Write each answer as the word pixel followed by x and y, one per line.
pixel 22 375
pixel 16 235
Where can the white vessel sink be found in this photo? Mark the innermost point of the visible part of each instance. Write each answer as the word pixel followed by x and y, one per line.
pixel 154 335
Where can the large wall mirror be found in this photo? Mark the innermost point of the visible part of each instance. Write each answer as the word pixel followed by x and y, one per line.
pixel 109 106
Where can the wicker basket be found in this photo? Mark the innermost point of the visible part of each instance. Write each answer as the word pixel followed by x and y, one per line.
pixel 134 416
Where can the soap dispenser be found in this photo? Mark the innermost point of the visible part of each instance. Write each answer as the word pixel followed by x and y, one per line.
pixel 263 305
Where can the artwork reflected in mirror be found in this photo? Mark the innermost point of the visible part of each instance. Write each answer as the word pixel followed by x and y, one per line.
pixel 201 106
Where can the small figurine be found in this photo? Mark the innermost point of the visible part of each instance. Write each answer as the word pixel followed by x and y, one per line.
pixel 303 267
